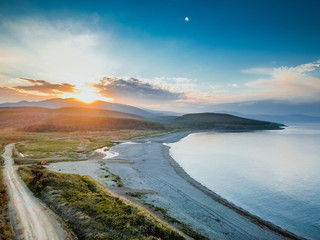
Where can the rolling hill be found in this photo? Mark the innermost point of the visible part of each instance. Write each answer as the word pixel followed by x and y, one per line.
pixel 82 123
pixel 67 119
pixel 24 117
pixel 221 121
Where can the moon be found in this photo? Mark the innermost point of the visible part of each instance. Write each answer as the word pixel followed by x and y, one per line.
pixel 186 19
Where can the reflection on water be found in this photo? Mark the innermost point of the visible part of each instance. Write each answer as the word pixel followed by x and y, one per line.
pixel 272 174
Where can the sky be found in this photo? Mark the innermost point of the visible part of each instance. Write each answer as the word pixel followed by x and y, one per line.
pixel 174 55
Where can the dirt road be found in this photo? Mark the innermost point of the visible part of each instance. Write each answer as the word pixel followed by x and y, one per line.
pixel 31 218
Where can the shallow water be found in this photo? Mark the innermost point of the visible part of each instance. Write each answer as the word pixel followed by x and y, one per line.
pixel 272 174
pixel 106 152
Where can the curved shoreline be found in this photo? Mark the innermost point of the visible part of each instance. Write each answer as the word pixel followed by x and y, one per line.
pixel 214 196
pixel 153 163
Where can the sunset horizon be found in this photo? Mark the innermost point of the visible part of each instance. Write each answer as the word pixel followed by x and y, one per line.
pixel 206 58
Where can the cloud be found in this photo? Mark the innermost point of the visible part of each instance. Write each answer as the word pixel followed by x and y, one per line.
pixel 75 50
pixel 8 94
pixel 303 68
pixel 290 83
pixel 308 67
pixel 36 90
pixel 258 71
pixel 44 87
pixel 65 50
pixel 137 91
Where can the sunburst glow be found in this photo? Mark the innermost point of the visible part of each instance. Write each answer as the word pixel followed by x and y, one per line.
pixel 87 95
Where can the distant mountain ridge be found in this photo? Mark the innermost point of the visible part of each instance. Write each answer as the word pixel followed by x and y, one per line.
pixel 19 117
pixel 93 119
pixel 274 111
pixel 72 102
pixel 286 119
pixel 60 114
pixel 270 107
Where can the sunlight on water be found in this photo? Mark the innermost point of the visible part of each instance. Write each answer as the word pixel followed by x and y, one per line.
pixel 272 174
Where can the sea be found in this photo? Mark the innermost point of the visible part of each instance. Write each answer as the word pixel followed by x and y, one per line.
pixel 273 174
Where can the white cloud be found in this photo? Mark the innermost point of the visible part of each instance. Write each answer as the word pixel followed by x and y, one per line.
pixel 58 51
pixel 308 67
pixel 258 71
pixel 291 83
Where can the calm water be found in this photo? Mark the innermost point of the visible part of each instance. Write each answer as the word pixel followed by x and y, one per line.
pixel 272 174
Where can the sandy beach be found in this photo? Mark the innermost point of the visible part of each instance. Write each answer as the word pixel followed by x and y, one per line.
pixel 145 167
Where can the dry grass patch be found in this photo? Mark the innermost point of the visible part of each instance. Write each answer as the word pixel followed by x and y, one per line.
pixel 90 210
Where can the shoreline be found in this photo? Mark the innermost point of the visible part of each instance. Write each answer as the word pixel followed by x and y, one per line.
pixel 177 136
pixel 216 197
pixel 148 166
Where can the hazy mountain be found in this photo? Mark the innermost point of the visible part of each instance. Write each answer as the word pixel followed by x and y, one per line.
pixel 71 102
pixel 286 119
pixel 164 113
pixel 270 108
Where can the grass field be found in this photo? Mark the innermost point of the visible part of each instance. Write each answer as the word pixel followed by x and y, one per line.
pixel 91 210
pixel 72 146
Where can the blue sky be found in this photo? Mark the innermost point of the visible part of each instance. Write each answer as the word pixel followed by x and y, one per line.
pixel 228 51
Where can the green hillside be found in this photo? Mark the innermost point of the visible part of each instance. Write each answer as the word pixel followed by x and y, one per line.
pixel 68 119
pixel 220 121
pixel 81 123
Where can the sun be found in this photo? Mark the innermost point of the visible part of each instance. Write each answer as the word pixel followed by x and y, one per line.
pixel 87 95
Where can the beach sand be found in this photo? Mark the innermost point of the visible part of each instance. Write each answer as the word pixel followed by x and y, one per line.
pixel 145 167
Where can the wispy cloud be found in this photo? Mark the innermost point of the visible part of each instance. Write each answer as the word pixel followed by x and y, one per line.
pixel 53 50
pixel 291 83
pixel 258 71
pixel 9 94
pixel 46 88
pixel 35 90
pixel 73 51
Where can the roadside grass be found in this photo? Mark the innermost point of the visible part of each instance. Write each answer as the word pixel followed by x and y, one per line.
pixel 5 225
pixel 91 210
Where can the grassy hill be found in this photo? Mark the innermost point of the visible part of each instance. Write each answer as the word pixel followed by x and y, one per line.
pixel 68 119
pixel 220 121
pixel 81 123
